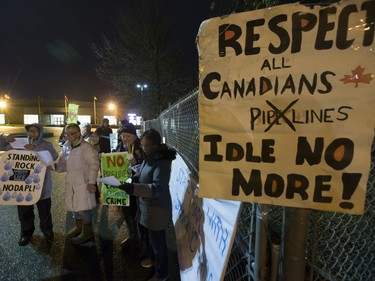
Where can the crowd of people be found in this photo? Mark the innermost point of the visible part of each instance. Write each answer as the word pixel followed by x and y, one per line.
pixel 149 213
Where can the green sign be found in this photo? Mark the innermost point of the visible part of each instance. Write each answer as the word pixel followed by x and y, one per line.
pixel 115 164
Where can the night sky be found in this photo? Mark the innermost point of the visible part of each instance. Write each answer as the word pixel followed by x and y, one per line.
pixel 44 44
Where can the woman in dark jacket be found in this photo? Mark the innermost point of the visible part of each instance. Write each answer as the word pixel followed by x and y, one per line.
pixel 130 143
pixel 155 204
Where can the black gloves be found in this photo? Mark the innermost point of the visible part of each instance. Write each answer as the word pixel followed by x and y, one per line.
pixel 127 187
pixel 135 179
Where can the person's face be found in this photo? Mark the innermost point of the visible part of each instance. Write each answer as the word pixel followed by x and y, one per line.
pixel 105 123
pixel 128 138
pixel 72 135
pixel 148 147
pixel 33 133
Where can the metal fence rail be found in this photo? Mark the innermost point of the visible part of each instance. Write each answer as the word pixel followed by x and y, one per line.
pixel 340 247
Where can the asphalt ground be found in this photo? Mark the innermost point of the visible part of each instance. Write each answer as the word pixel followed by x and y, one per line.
pixel 102 258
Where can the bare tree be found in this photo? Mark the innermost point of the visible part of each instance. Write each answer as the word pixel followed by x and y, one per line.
pixel 142 51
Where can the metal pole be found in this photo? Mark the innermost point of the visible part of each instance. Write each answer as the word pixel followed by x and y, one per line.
pixel 66 107
pixel 260 262
pixel 293 244
pixel 95 119
pixel 39 111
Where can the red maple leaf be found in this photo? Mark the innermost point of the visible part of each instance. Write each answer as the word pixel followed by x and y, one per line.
pixel 357 77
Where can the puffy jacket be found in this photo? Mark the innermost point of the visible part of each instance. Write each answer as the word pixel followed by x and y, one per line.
pixel 81 164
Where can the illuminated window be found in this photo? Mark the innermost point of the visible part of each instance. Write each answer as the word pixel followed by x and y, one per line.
pixel 84 119
pixel 57 119
pixel 2 118
pixel 30 118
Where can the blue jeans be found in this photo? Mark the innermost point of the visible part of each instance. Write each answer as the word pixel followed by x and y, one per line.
pixel 85 216
pixel 158 243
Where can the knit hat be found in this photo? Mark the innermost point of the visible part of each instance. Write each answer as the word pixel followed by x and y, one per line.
pixel 124 122
pixel 129 128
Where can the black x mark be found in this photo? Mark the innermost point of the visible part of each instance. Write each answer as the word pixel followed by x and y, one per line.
pixel 280 114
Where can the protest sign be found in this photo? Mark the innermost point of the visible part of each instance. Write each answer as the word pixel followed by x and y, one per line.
pixel 21 177
pixel 115 164
pixel 205 228
pixel 72 113
pixel 286 106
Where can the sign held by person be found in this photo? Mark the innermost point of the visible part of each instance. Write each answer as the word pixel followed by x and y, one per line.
pixel 21 177
pixel 115 164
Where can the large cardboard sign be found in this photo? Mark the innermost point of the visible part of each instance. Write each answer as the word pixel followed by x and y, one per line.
pixel 205 228
pixel 115 164
pixel 286 106
pixel 21 177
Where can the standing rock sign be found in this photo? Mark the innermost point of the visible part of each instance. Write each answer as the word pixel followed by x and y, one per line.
pixel 21 177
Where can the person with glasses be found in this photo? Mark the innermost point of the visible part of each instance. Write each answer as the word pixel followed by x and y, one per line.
pixel 155 203
pixel 79 160
pixel 26 213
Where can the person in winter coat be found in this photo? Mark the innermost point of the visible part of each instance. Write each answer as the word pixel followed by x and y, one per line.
pixel 103 133
pixel 131 143
pixel 88 135
pixel 79 160
pixel 26 213
pixel 155 203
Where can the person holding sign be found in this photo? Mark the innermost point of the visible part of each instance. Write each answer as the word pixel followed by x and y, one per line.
pixel 26 213
pixel 131 143
pixel 155 204
pixel 79 160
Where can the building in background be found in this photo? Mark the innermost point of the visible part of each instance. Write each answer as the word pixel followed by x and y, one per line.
pixel 53 112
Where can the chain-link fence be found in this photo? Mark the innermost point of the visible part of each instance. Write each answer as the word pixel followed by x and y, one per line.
pixel 339 246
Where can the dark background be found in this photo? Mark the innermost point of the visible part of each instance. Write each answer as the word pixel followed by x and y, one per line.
pixel 44 44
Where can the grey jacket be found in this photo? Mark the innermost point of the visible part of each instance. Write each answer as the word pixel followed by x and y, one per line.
pixel 40 145
pixel 155 204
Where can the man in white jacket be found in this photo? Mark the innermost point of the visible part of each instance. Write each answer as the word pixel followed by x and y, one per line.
pixel 79 160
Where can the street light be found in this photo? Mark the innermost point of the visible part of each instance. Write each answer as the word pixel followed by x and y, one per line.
pixel 3 105
pixel 142 86
pixel 95 119
pixel 113 107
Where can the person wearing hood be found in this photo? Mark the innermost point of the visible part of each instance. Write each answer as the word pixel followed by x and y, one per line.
pixel 26 213
pixel 155 203
pixel 79 160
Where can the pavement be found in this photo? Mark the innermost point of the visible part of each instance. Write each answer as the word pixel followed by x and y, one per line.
pixel 99 259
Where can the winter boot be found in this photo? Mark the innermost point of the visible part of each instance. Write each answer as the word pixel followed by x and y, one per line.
pixel 85 235
pixel 75 230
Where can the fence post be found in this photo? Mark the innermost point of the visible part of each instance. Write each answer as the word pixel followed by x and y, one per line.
pixel 260 261
pixel 293 244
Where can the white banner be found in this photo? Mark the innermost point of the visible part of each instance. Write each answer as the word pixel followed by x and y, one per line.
pixel 205 228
